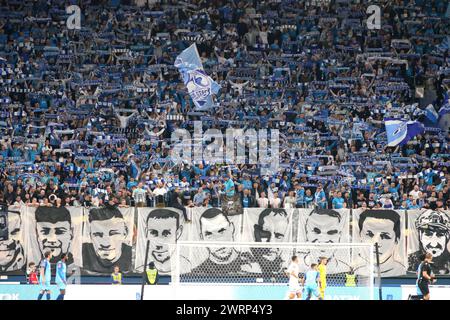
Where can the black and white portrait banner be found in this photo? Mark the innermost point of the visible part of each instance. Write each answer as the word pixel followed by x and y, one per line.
pixel 54 229
pixel 429 231
pixel 324 226
pixel 387 228
pixel 163 227
pixel 97 239
pixel 268 225
pixel 107 239
pixel 12 256
pixel 213 225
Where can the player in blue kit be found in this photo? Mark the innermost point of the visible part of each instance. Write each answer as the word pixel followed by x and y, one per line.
pixel 45 275
pixel 61 280
pixel 311 283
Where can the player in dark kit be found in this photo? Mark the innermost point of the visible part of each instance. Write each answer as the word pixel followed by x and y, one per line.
pixel 425 277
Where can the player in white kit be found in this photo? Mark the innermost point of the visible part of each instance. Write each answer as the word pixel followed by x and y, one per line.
pixel 294 281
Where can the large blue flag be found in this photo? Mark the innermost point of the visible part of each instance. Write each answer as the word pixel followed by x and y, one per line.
pixel 444 114
pixel 200 86
pixel 400 132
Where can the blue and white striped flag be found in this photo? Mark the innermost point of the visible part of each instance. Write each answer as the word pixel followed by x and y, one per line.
pixel 400 132
pixel 200 86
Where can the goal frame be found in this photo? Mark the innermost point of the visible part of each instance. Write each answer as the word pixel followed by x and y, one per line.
pixel 175 275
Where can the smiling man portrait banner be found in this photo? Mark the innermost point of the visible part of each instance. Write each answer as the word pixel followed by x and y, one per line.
pixel 54 229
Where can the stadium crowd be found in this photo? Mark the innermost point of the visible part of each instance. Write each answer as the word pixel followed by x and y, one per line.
pixel 86 116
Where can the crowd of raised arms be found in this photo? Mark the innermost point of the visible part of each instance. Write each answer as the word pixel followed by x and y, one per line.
pixel 86 116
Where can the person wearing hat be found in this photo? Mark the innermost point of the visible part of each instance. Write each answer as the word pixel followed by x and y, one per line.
pixel 433 228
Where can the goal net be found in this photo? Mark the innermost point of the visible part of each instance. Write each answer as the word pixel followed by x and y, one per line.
pixel 349 271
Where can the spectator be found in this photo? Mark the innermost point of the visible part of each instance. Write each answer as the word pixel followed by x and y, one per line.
pixel 116 276
pixel 32 277
pixel 338 201
pixel 262 201
pixel 248 201
pixel 96 121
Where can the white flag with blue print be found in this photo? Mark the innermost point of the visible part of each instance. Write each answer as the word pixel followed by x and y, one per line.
pixel 200 86
pixel 400 132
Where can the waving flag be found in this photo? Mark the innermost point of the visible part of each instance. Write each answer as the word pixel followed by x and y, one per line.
pixel 200 86
pixel 400 132
pixel 444 114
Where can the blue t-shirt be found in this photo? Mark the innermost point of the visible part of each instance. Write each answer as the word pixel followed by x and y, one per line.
pixel 131 184
pixel 300 196
pixel 61 270
pixel 338 203
pixel 320 198
pixel 229 188
pixel 308 199
pixel 185 174
pixel 245 202
pixel 311 277
pixel 247 184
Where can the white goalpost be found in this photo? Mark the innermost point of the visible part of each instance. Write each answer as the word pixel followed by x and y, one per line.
pixel 257 270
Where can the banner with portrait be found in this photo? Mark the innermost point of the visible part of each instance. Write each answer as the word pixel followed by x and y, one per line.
pixel 4 234
pixel 268 225
pixel 163 227
pixel 429 231
pixel 387 228
pixel 107 239
pixel 54 229
pixel 324 226
pixel 12 255
pixel 213 225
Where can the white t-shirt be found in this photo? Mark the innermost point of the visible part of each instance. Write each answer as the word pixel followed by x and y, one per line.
pixel 263 36
pixel 289 202
pixel 160 191
pixel 275 202
pixel 139 194
pixel 415 194
pixel 184 184
pixel 293 281
pixel 263 202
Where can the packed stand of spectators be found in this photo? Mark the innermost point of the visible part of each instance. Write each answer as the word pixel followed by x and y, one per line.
pixel 86 116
